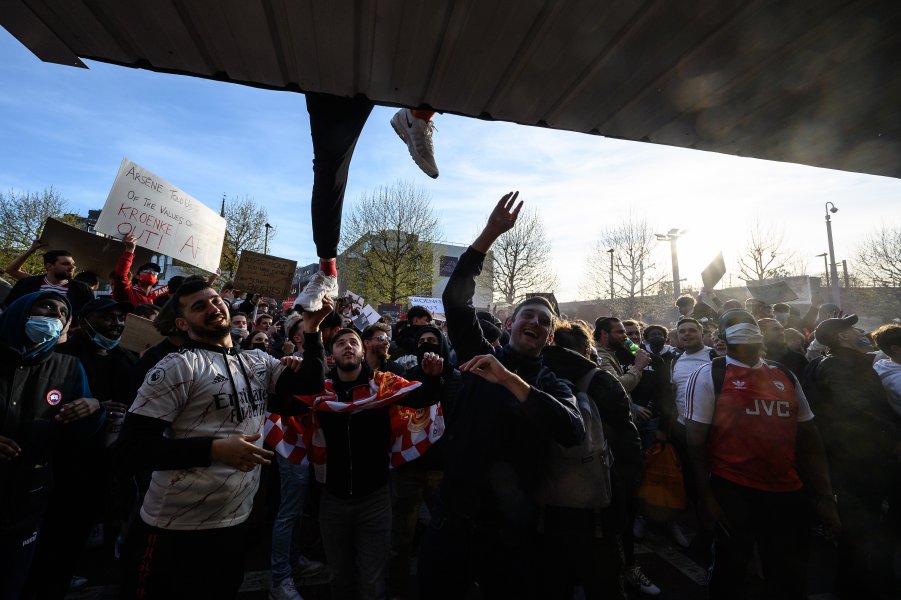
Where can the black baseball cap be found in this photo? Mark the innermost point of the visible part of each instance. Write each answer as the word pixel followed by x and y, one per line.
pixel 104 303
pixel 828 329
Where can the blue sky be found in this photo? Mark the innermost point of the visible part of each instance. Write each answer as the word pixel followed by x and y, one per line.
pixel 70 128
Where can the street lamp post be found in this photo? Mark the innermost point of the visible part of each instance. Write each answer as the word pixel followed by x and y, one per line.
pixel 266 239
pixel 672 236
pixel 825 255
pixel 836 294
pixel 611 272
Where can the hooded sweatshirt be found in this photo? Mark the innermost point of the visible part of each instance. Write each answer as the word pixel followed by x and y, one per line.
pixel 890 375
pixel 32 392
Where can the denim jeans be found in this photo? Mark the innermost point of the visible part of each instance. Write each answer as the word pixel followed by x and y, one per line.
pixel 356 533
pixel 295 480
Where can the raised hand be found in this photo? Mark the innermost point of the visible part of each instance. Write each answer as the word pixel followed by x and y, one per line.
pixel 501 220
pixel 130 242
pixel 432 364
pixel 503 217
pixel 312 320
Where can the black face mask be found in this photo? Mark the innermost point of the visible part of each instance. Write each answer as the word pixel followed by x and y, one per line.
pixel 258 346
pixel 427 347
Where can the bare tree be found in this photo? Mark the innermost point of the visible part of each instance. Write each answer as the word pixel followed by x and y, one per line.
pixel 766 256
pixel 245 229
pixel 22 217
pixel 634 270
pixel 387 241
pixel 878 257
pixel 522 260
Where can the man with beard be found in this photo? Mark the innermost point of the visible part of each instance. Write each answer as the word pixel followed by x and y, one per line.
pixel 350 433
pixel 757 457
pixel 148 273
pixel 60 267
pixel 609 335
pixel 376 342
pixel 509 407
pixel 777 349
pixel 197 423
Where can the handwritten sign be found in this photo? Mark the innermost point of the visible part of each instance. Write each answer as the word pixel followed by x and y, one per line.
pixel 433 305
pixel 264 274
pixel 139 334
pixel 91 252
pixel 164 218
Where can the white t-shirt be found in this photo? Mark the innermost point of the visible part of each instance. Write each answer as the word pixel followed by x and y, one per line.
pixel 200 396
pixel 702 399
pixel 683 367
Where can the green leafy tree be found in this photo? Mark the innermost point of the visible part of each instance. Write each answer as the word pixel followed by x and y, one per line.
pixel 389 253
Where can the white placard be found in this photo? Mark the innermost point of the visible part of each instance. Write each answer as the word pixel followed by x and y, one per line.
pixel 433 305
pixel 368 316
pixel 164 218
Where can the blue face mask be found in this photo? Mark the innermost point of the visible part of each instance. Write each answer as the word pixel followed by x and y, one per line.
pixel 43 329
pixel 101 340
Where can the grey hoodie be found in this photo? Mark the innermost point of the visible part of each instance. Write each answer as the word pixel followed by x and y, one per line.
pixel 890 375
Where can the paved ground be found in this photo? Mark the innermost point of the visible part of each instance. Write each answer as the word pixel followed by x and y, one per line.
pixel 679 573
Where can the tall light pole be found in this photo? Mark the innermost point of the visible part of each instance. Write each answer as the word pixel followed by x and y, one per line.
pixel 611 272
pixel 825 255
pixel 672 236
pixel 836 294
pixel 266 239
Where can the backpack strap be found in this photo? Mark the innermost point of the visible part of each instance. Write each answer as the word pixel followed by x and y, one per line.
pixel 585 380
pixel 718 371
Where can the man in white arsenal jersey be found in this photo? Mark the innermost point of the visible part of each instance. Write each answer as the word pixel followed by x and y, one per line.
pixel 197 423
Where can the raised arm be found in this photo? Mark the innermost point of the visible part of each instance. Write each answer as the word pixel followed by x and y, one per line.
pixel 14 269
pixel 463 327
pixel 121 283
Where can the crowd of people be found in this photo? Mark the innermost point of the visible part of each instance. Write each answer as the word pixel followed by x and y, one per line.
pixel 523 440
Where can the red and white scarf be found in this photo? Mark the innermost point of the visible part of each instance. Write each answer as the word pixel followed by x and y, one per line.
pixel 413 430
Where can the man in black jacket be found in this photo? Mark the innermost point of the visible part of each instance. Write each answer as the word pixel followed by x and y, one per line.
pixel 60 266
pixel 596 562
pixel 42 395
pixel 351 441
pixel 862 438
pixel 509 406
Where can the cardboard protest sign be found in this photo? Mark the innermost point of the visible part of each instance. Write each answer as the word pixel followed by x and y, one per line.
pixel 772 293
pixel 264 274
pixel 164 218
pixel 368 316
pixel 433 305
pixel 139 334
pixel 714 272
pixel 91 252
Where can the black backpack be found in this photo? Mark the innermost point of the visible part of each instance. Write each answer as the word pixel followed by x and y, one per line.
pixel 579 477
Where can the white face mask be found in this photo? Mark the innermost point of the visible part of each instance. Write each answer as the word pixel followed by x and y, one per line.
pixel 744 333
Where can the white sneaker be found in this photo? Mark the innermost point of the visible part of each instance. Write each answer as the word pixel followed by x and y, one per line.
pixel 418 135
pixel 321 285
pixel 285 590
pixel 638 580
pixel 638 528
pixel 676 533
pixel 305 567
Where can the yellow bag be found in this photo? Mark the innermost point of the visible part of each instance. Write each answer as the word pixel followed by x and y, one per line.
pixel 662 489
